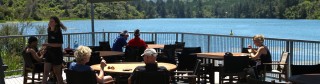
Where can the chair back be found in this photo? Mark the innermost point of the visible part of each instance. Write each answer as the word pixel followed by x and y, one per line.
pixel 187 59
pixel 133 54
pixel 94 48
pixel 94 59
pixel 27 60
pixel 284 58
pixel 180 45
pixel 104 46
pixel 235 64
pixel 169 52
pixel 245 50
pixel 85 77
pixel 150 42
pixel 152 77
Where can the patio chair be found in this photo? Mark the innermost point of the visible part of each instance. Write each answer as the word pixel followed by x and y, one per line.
pixel 152 77
pixel 281 67
pixel 245 50
pixel 233 66
pixel 187 59
pixel 191 75
pixel 94 59
pixel 179 46
pixel 94 48
pixel 167 55
pixel 29 66
pixel 133 54
pixel 74 77
pixel 150 42
pixel 104 46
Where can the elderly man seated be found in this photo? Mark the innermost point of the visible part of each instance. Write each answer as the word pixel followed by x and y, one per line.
pixel 152 69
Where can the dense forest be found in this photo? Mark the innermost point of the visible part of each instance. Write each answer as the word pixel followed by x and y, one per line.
pixel 138 9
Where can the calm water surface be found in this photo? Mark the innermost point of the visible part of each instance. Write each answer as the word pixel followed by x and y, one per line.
pixel 272 28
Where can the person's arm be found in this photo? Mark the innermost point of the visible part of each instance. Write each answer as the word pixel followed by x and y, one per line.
pixel 35 55
pixel 258 53
pixel 101 73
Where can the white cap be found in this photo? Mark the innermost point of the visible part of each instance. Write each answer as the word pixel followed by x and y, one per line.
pixel 150 52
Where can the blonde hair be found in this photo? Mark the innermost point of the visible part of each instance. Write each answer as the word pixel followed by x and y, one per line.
pixel 258 37
pixel 82 52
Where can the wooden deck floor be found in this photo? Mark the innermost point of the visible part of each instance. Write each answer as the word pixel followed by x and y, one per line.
pixel 19 79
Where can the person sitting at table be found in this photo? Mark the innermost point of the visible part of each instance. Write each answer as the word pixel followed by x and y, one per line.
pixel 136 42
pixel 149 58
pixel 31 51
pixel 261 55
pixel 120 41
pixel 82 56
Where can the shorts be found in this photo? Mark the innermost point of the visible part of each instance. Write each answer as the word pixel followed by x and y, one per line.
pixel 54 56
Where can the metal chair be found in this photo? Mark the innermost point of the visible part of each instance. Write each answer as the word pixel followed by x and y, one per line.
pixel 104 46
pixel 167 54
pixel 29 66
pixel 160 76
pixel 133 54
pixel 191 75
pixel 281 69
pixel 233 66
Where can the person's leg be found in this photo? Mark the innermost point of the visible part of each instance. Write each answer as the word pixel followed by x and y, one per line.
pixel 57 69
pixel 47 68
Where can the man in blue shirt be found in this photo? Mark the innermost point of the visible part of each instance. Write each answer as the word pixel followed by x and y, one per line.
pixel 120 41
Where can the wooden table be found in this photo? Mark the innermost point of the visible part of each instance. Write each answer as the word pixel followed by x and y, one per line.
pixel 305 79
pixel 211 56
pixel 119 67
pixel 158 46
pixel 110 53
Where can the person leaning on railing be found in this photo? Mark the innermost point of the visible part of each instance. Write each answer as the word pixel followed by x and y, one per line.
pixel 261 55
pixel 82 56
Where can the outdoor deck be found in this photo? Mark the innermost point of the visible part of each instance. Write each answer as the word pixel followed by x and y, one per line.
pixel 302 52
pixel 19 79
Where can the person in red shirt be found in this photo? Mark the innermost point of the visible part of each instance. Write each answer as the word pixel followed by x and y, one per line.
pixel 136 41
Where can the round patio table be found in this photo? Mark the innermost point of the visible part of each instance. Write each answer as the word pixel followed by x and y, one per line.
pixel 128 67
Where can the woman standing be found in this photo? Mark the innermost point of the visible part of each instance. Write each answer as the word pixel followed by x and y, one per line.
pixel 54 55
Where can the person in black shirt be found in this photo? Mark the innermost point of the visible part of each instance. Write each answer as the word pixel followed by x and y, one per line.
pixel 54 55
pixel 149 57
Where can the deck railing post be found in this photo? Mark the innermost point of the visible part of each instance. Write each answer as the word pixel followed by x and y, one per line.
pixel 109 36
pixel 182 36
pixel 177 37
pixel 69 41
pixel 290 57
pixel 155 37
pixel 242 43
pixel 209 43
pixel 104 36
